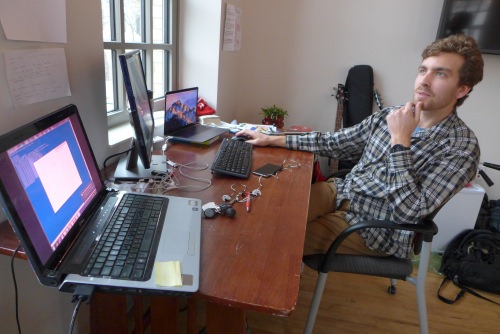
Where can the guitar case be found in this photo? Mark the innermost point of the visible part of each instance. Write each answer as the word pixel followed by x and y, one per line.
pixel 358 95
pixel 355 103
pixel 358 101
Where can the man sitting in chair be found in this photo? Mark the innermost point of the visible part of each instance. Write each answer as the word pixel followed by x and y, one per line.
pixel 412 158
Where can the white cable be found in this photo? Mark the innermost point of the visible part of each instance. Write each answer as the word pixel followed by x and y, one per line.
pixel 170 181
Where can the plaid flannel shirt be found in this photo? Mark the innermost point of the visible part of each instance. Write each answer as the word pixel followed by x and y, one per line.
pixel 404 187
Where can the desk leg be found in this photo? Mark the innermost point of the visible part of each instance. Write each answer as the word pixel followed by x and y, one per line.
pixel 191 316
pixel 225 319
pixel 108 313
pixel 164 315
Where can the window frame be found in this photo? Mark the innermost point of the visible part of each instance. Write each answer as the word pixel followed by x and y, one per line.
pixel 117 46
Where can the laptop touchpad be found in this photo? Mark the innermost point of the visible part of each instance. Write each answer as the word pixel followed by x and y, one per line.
pixel 177 242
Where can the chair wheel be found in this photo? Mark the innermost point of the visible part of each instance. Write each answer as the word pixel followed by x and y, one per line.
pixel 391 289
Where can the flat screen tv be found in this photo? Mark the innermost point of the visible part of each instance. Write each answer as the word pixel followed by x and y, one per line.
pixel 477 18
pixel 140 163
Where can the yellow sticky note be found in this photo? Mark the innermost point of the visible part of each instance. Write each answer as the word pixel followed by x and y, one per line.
pixel 168 273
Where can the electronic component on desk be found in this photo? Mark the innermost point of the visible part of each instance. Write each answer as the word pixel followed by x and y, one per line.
pixel 157 139
pixel 233 158
pixel 268 169
pixel 210 119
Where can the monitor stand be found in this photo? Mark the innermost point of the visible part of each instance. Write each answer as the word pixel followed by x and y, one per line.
pixel 130 168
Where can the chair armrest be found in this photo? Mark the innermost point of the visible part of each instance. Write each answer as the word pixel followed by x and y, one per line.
pixel 427 228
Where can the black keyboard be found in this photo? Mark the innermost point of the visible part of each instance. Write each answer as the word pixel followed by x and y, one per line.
pixel 124 249
pixel 233 158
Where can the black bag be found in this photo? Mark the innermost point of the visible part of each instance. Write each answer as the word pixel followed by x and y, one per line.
pixel 488 217
pixel 494 219
pixel 472 261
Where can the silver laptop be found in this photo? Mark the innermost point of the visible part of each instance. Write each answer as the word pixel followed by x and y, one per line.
pixel 180 118
pixel 60 209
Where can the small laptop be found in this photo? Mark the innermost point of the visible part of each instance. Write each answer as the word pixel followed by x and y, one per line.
pixel 59 207
pixel 180 118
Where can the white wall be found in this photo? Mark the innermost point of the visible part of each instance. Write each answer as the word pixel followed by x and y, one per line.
pixel 46 310
pixel 42 310
pixel 294 52
pixel 199 25
pixel 85 64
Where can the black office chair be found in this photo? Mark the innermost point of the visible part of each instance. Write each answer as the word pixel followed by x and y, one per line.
pixel 390 266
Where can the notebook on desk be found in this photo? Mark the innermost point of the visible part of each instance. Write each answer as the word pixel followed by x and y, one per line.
pixel 60 209
pixel 180 118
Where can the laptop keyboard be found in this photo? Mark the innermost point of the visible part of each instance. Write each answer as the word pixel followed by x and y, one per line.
pixel 234 158
pixel 124 249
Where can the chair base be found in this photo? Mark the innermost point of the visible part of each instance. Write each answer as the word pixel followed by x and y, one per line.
pixel 418 282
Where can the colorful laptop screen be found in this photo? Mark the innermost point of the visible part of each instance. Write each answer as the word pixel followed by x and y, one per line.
pixel 47 179
pixel 180 109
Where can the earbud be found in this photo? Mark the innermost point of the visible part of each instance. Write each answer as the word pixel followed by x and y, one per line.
pixel 223 209
pixel 227 210
pixel 209 213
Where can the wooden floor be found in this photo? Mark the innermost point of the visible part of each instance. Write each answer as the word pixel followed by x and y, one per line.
pixel 360 304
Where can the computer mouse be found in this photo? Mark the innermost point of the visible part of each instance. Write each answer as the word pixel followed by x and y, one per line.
pixel 240 138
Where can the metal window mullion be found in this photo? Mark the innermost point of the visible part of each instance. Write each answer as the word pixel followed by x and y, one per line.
pixel 141 46
pixel 119 47
pixel 147 27
pixel 120 22
pixel 167 70
pixel 172 25
pixel 118 44
pixel 167 23
pixel 112 19
pixel 167 39
pixel 147 38
pixel 132 46
pixel 116 79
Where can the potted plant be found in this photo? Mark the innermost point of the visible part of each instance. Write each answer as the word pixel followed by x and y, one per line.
pixel 274 116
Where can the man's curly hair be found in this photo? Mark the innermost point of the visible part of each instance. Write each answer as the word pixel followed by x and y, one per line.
pixel 471 72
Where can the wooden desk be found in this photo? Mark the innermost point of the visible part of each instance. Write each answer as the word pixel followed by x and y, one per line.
pixel 251 261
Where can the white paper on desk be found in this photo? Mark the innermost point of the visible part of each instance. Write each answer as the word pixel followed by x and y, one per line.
pixel 28 20
pixel 264 128
pixel 36 75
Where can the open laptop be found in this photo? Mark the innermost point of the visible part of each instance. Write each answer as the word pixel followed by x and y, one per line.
pixel 180 118
pixel 59 207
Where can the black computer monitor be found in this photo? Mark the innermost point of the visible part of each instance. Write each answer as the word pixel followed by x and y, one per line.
pixel 140 163
pixel 479 19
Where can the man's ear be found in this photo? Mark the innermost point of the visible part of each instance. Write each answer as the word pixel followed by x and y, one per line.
pixel 462 91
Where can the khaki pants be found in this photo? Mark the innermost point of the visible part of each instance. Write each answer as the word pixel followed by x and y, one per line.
pixel 325 222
